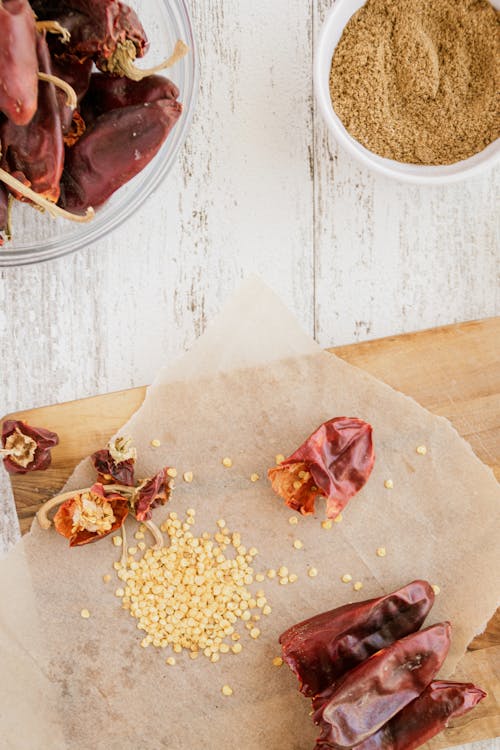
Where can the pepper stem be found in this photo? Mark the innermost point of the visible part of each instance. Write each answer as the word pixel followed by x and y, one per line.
pixel 71 98
pixel 10 206
pixel 123 559
pixel 122 62
pixel 39 201
pixel 155 531
pixel 54 27
pixel 42 515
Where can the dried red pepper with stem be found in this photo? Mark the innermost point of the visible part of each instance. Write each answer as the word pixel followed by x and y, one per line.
pixel 90 515
pixel 324 648
pixel 18 61
pixel 26 448
pixel 34 153
pixel 372 693
pixel 116 463
pixel 119 145
pixel 334 462
pixel 423 718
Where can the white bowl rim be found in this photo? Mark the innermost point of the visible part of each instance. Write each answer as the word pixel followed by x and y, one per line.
pixel 411 173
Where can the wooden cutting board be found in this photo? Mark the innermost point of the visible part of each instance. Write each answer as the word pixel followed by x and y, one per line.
pixel 453 371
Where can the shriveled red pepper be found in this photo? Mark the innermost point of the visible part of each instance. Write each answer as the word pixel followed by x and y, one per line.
pixel 324 648
pixel 116 463
pixel 119 145
pixel 423 718
pixel 376 690
pixel 77 73
pixel 89 516
pixel 34 153
pixel 26 448
pixel 110 92
pixel 100 29
pixel 334 462
pixel 18 61
pixel 150 494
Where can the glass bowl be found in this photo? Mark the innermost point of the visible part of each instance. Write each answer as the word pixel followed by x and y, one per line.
pixel 38 237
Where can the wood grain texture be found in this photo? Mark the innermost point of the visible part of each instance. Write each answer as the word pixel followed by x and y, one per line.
pixel 260 187
pixel 454 371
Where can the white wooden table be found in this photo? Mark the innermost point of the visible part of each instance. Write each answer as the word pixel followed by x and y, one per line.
pixel 260 187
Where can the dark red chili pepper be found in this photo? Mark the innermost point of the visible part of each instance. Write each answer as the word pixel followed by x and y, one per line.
pixel 423 718
pixel 34 153
pixel 151 493
pixel 100 29
pixel 119 145
pixel 334 462
pixel 77 73
pixel 322 649
pixel 18 61
pixel 372 693
pixel 116 463
pixel 26 448
pixel 110 92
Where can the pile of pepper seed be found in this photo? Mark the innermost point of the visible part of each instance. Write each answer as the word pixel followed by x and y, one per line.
pixel 191 594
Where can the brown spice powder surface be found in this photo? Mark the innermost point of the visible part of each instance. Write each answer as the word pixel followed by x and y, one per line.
pixel 419 80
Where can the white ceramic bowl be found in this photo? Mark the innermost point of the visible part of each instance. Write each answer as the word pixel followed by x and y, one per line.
pixel 330 35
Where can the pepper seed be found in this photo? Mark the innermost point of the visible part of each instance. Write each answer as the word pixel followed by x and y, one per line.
pixel 421 450
pixel 277 661
pixel 381 552
pixel 155 443
pixel 389 484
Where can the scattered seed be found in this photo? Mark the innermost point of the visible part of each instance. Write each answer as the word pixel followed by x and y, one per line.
pixel 436 589
pixel 106 578
pixel 266 610
pixel 119 592
pixel 260 577
pixel 236 648
pixel 221 523
pixel 292 577
pixel 171 661
pixel 381 552
pixel 132 550
pixel 188 476
pixel 155 443
pixel 271 573
pixel 85 614
pixel 283 571
pixel 172 472
pixel 293 520
pixel 358 586
pixel 194 654
pixel 312 572
pixel 389 484
pixel 277 661
pixel 421 450
pixel 139 535
pixel 254 477
pixel 298 544
pixel 117 541
pixel 254 633
pixel 279 458
pixel 338 519
pixel 326 524
pixel 142 546
pixel 346 578
pixel 227 690
pixel 191 512
pixel 227 462
pixel 284 581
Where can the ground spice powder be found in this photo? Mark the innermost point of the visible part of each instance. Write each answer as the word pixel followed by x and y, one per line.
pixel 419 80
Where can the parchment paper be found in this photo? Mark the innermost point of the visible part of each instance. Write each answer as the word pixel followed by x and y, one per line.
pixel 254 385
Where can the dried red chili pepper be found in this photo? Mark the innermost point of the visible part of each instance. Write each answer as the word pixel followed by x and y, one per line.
pixel 119 145
pixel 334 462
pixel 18 61
pixel 107 92
pixel 77 73
pixel 89 516
pixel 151 493
pixel 116 463
pixel 99 29
pixel 372 693
pixel 34 153
pixel 26 448
pixel 322 649
pixel 423 718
